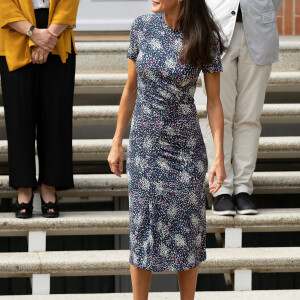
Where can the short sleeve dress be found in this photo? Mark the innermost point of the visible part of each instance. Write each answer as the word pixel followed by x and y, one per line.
pixel 166 160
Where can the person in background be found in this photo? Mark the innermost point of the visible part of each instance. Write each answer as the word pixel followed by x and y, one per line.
pixel 250 29
pixel 37 66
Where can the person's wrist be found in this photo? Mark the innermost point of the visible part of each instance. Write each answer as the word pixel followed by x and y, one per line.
pixel 52 32
pixel 219 157
pixel 35 32
pixel 117 142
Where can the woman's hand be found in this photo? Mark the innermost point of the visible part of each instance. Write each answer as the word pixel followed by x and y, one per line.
pixel 218 170
pixel 39 56
pixel 116 159
pixel 45 39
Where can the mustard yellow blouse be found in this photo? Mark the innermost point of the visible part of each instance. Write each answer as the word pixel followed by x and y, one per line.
pixel 17 47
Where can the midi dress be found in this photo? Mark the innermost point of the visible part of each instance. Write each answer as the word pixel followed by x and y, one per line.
pixel 166 159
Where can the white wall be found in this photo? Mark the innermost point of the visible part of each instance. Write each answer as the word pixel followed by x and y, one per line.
pixel 110 15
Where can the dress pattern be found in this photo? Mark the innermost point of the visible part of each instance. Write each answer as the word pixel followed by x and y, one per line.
pixel 166 160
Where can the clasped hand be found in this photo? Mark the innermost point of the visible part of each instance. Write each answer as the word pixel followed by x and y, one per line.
pixel 46 41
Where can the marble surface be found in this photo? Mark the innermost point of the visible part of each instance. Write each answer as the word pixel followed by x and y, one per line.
pixel 115 262
pixel 245 295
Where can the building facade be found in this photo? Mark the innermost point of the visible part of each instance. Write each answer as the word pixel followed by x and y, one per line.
pixel 117 15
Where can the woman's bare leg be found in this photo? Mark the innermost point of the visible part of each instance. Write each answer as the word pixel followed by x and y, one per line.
pixel 140 280
pixel 187 283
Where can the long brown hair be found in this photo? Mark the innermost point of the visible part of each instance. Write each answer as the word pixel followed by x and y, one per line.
pixel 200 33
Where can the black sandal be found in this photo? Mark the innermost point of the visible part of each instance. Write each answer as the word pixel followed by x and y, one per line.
pixel 47 206
pixel 28 207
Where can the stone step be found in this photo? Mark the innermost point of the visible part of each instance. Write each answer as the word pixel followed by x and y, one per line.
pixel 289 54
pixel 279 147
pixel 107 115
pixel 91 36
pixel 102 57
pixel 117 222
pixel 115 82
pixel 111 185
pixel 110 56
pixel 98 150
pixel 119 79
pixel 99 115
pixel 269 147
pixel 115 262
pixel 224 295
pixel 281 113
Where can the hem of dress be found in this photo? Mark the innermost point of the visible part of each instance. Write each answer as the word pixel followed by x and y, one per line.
pixel 169 270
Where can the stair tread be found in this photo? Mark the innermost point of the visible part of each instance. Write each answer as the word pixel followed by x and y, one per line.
pixel 224 295
pixel 100 37
pixel 114 41
pixel 119 79
pixel 103 146
pixel 117 222
pixel 107 114
pixel 111 111
pixel 111 185
pixel 113 262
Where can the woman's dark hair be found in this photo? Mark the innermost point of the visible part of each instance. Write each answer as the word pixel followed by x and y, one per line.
pixel 201 33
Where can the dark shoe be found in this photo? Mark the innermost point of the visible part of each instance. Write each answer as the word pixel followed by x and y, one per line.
pixel 28 207
pixel 223 205
pixel 244 204
pixel 47 206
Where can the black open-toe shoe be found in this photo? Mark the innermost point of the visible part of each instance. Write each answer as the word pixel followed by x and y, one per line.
pixel 27 207
pixel 46 207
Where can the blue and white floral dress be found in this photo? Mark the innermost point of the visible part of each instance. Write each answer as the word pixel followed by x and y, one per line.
pixel 166 161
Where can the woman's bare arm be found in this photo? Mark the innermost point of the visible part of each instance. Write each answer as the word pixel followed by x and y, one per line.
pixel 57 29
pixel 116 155
pixel 216 122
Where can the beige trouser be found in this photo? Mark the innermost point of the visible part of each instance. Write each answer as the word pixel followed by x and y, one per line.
pixel 243 87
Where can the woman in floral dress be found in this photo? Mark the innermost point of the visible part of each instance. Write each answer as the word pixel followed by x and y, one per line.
pixel 166 160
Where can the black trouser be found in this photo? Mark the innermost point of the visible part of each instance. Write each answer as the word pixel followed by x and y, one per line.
pixel 38 101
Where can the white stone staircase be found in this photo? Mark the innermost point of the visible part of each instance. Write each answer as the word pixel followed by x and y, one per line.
pixel 101 68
